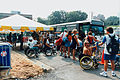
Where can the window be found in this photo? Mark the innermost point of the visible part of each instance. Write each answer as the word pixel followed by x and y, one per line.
pixel 98 30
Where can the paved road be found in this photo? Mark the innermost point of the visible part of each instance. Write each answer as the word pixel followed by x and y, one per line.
pixel 67 69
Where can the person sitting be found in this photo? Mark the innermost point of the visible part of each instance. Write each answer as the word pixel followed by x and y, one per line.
pixel 47 43
pixel 29 44
pixel 32 44
pixel 36 43
pixel 87 51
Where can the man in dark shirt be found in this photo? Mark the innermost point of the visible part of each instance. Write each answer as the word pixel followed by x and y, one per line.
pixel 21 40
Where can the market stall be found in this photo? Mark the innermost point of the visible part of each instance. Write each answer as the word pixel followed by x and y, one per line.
pixel 20 23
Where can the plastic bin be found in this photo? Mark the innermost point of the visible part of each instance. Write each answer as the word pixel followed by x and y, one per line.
pixel 5 56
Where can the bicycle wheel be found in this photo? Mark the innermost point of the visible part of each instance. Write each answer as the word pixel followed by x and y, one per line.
pixel 31 53
pixel 86 62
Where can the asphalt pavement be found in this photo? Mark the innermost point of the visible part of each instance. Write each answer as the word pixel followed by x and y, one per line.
pixel 67 69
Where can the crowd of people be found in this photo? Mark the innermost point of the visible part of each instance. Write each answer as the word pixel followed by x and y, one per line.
pixel 69 42
pixel 13 38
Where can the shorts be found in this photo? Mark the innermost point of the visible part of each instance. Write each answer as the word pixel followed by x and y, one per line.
pixel 73 46
pixel 110 57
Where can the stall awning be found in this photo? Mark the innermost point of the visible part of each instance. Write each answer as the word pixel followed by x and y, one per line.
pixel 18 22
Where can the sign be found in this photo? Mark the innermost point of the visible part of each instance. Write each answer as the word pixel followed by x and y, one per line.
pixel 3 53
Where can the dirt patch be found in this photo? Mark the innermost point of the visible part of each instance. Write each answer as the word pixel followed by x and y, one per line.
pixel 23 67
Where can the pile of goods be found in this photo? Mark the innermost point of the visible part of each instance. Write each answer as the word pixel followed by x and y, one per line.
pixel 23 67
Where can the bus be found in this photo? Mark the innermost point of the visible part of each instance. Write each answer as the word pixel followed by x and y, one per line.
pixel 96 26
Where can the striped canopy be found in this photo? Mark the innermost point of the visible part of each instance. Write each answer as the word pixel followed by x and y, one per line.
pixel 20 23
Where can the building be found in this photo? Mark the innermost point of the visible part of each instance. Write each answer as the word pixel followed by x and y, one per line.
pixel 4 15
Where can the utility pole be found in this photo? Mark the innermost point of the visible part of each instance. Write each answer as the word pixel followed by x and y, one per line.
pixel 91 15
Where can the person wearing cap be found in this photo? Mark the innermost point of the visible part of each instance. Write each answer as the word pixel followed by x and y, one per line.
pixel 74 42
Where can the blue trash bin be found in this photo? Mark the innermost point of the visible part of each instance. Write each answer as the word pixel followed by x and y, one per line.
pixel 5 56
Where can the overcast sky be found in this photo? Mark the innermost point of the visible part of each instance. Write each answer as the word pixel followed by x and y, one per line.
pixel 43 8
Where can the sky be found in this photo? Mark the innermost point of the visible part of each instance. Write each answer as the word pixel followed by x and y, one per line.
pixel 43 8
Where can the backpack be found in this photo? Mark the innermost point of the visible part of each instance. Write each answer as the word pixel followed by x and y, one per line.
pixel 65 40
pixel 113 46
pixel 59 41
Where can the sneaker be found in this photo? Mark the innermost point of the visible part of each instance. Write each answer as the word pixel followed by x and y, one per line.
pixel 113 74
pixel 60 54
pixel 68 56
pixel 65 56
pixel 104 74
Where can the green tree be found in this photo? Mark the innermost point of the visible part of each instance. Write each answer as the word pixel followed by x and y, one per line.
pixel 76 16
pixel 112 20
pixel 100 17
pixel 57 17
pixel 43 21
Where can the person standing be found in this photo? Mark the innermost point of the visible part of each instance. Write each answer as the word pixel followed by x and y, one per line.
pixel 107 55
pixel 14 39
pixel 67 41
pixel 90 38
pixel 63 35
pixel 82 35
pixel 10 37
pixel 21 41
pixel 74 42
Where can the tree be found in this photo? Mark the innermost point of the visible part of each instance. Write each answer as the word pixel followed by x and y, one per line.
pixel 76 16
pixel 112 20
pixel 43 21
pixel 57 17
pixel 100 17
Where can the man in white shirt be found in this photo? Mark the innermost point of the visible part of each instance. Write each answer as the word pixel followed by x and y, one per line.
pixel 30 43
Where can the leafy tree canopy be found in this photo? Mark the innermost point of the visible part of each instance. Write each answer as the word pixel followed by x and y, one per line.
pixel 112 20
pixel 58 17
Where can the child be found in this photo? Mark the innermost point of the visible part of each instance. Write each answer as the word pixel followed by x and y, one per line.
pixel 107 55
